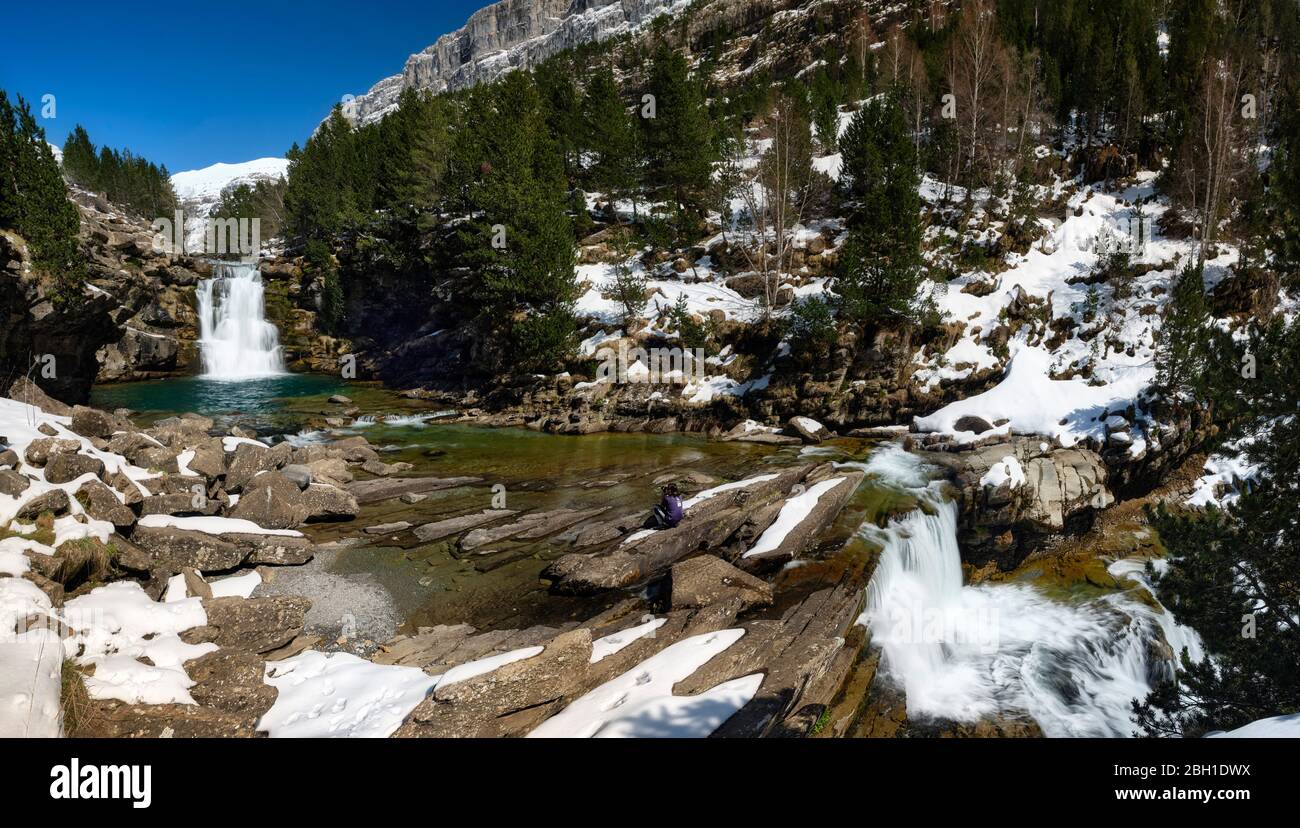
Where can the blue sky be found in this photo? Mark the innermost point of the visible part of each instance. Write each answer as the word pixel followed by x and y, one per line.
pixel 188 83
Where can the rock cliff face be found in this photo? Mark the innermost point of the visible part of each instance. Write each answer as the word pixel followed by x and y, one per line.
pixel 511 34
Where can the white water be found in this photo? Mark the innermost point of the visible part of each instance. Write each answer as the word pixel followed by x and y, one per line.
pixel 235 340
pixel 1005 650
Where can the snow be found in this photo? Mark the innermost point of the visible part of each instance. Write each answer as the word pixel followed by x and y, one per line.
pixel 116 625
pixel 614 642
pixel 640 702
pixel 1006 471
pixel 809 424
pixel 1278 727
pixel 791 515
pixel 469 670
pixel 1225 474
pixel 232 443
pixel 708 494
pixel 232 586
pixel 214 525
pixel 1034 403
pixel 30 679
pixel 208 182
pixel 340 695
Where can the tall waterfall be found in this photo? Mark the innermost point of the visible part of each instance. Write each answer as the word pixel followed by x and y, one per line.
pixel 235 340
pixel 969 652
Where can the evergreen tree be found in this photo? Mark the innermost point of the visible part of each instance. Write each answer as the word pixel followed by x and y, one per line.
pixel 80 161
pixel 880 263
pixel 611 136
pixel 679 139
pixel 825 104
pixel 34 200
pixel 320 199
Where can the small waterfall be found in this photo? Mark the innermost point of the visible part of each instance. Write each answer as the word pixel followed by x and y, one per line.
pixel 235 340
pixel 970 652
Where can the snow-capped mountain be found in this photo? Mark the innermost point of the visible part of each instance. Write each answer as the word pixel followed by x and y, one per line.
pixel 200 190
pixel 511 34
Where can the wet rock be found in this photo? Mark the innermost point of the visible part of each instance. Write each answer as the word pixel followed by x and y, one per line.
pixel 388 528
pixel 373 491
pixel 355 449
pixel 706 580
pixel 339 399
pixel 454 526
pixel 380 469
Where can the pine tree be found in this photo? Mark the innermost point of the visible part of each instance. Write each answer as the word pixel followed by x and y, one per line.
pixel 611 136
pixel 34 200
pixel 879 265
pixel 679 140
pixel 80 162
pixel 320 199
pixel 825 102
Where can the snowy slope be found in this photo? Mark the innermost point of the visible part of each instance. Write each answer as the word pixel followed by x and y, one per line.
pixel 200 190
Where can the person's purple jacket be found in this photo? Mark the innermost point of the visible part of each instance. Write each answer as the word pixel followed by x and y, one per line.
pixel 672 506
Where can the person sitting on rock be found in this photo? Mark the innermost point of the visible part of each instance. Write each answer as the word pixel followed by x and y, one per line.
pixel 669 511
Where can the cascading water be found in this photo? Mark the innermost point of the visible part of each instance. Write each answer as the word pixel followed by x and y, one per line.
pixel 999 650
pixel 235 340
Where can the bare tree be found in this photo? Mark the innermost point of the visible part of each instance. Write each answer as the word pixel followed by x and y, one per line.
pixel 975 58
pixel 776 193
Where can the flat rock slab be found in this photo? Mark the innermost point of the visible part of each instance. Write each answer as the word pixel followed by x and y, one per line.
pixel 798 523
pixel 373 491
pixel 438 530
pixel 387 528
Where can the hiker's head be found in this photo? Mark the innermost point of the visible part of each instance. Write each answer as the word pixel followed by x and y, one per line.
pixel 671 490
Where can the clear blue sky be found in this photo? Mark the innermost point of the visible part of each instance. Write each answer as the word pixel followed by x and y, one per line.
pixel 189 83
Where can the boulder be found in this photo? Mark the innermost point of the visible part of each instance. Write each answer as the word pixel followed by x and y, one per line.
pixel 64 468
pixel 708 580
pixel 298 474
pixel 807 429
pixel 273 550
pixel 9 459
pixel 331 470
pixel 40 450
pixel 173 549
pixel 13 483
pixel 250 459
pixel 24 390
pixel 91 422
pixel 54 501
pixel 253 625
pixel 102 503
pixel 272 501
pixel 325 502
pixel 231 681
pixel 117 720
pixel 970 422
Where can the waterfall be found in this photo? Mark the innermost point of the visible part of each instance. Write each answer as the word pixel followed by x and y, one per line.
pixel 235 340
pixel 969 652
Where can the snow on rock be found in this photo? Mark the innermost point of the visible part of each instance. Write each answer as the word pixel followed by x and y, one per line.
pixel 30 679
pixel 612 643
pixel 726 487
pixel 463 672
pixel 640 702
pixel 1278 727
pixel 791 515
pixel 214 525
pixel 340 695
pixel 1034 403
pixel 118 624
pixel 1006 471
pixel 1226 472
pixel 232 586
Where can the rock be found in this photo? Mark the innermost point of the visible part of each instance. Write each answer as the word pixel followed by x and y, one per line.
pixel 979 425
pixel 355 449
pixel 117 720
pixel 324 502
pixel 380 469
pixel 707 580
pixel 273 550
pixel 298 474
pixel 9 459
pixel 64 468
pixel 13 483
pixel 253 625
pixel 388 528
pixel 249 459
pixel 174 549
pixel 41 449
pixel 272 501
pixel 339 399
pixel 24 390
pixel 180 503
pixel 769 550
pixel 195 586
pixel 157 459
pixel 208 461
pixel 373 491
pixel 101 503
pixel 437 530
pixel 807 429
pixel 91 422
pixel 54 501
pixel 231 681
pixel 413 498
pixel 48 430
pixel 331 470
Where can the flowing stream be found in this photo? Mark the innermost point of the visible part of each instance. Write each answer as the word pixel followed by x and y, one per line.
pixel 235 339
pixel 1004 650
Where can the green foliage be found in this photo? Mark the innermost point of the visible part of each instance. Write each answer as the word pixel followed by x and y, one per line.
pixel 1231 574
pixel 263 200
pixel 693 333
pixel 811 327
pixel 323 193
pixel 627 288
pixel 679 140
pixel 825 97
pixel 318 259
pixel 611 136
pixel 34 201
pixel 126 179
pixel 1182 353
pixel 879 265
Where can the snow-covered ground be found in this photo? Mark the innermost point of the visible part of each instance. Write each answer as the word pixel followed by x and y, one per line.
pixel 199 190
